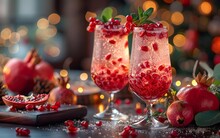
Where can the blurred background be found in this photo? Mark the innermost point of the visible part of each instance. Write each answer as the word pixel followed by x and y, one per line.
pixel 57 29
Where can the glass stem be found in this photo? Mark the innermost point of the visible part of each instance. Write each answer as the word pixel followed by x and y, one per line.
pixel 111 101
pixel 149 106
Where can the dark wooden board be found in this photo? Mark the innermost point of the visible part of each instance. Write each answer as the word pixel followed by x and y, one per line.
pixel 37 118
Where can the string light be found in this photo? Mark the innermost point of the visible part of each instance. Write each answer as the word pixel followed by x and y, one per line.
pixel 22 30
pixel 170 48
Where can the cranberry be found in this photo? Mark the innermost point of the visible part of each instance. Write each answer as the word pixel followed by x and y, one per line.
pixel 98 123
pixel 69 123
pixel 117 101
pixel 129 18
pixel 84 124
pixel 29 107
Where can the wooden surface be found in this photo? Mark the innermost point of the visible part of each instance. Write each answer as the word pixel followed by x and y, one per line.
pixel 37 118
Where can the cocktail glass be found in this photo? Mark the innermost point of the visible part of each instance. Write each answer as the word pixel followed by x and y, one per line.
pixel 110 63
pixel 150 73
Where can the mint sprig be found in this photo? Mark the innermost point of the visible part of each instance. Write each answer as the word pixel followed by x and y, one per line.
pixel 142 16
pixel 106 14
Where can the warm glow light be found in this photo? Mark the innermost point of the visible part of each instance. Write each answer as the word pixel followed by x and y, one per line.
pixel 101 108
pixel 194 83
pixel 179 40
pixel 177 18
pixel 63 73
pixel 54 18
pixel 102 97
pixel 178 83
pixel 6 33
pixel 170 48
pixel 51 31
pixel 137 105
pixel 90 14
pixel 15 37
pixel 52 50
pixel 2 42
pixel 68 86
pixel 150 4
pixel 166 15
pixel 216 45
pixel 22 30
pixel 83 76
pixel 42 23
pixel 205 8
pixel 80 89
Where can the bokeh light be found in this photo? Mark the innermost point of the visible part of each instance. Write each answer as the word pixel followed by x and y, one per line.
pixel 194 83
pixel 170 48
pixel 179 40
pixel 22 30
pixel 63 73
pixel 42 23
pixel 68 86
pixel 80 89
pixel 54 18
pixel 150 4
pixel 178 83
pixel 6 33
pixel 83 76
pixel 216 45
pixel 205 8
pixel 177 18
pixel 102 97
pixel 15 37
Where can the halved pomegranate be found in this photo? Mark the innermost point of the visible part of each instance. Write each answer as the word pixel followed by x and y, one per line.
pixel 20 101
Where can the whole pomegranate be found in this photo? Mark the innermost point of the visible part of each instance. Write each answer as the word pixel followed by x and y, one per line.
pixel 61 93
pixel 180 114
pixel 44 70
pixel 18 74
pixel 199 97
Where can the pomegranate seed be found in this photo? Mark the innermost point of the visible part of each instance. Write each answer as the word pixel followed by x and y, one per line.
pixel 160 35
pixel 124 134
pixel 41 108
pixel 108 56
pixel 174 133
pixel 22 131
pixel 98 123
pixel 133 134
pixel 72 129
pixel 114 62
pixel 84 124
pixel 108 71
pixel 57 104
pixel 29 107
pixel 126 44
pixel 144 48
pixel 142 34
pixel 129 18
pixel 112 41
pixel 117 102
pixel 128 128
pixel 141 65
pixel 161 67
pixel 48 106
pixel 54 107
pixel 124 67
pixel 92 19
pixel 17 129
pixel 161 119
pixel 90 29
pixel 12 109
pixel 160 110
pixel 155 46
pixel 69 123
pixel 119 59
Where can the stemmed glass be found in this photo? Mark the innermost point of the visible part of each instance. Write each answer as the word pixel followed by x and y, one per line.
pixel 110 63
pixel 150 74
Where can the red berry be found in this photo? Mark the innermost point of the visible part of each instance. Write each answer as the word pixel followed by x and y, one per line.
pixel 108 56
pixel 98 123
pixel 69 123
pixel 129 18
pixel 90 29
pixel 112 41
pixel 29 107
pixel 144 48
pixel 72 129
pixel 142 34
pixel 155 46
pixel 84 124
pixel 41 108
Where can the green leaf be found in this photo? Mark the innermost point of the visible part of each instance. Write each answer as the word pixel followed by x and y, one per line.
pixel 140 12
pixel 148 12
pixel 134 16
pixel 106 14
pixel 217 72
pixel 207 118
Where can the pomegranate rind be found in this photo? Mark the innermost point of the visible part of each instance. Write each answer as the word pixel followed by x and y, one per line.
pixel 21 105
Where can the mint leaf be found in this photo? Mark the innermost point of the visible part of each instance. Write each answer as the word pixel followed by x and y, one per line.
pixel 148 12
pixel 106 14
pixel 207 118
pixel 216 73
pixel 134 16
pixel 140 12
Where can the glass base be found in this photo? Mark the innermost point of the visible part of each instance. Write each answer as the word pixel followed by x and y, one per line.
pixel 111 114
pixel 151 123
